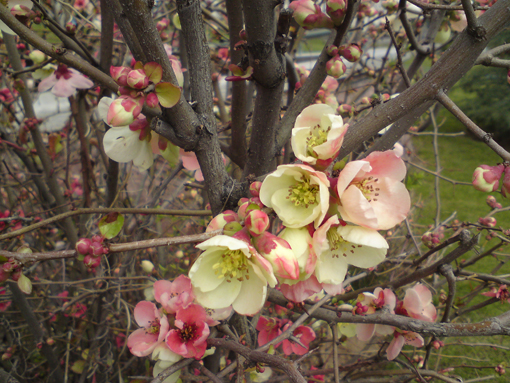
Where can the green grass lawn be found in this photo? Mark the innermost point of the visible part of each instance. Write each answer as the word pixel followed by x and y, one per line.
pixel 459 156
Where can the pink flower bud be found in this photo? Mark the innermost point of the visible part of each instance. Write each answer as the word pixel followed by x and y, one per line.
pixel 91 262
pixel 4 275
pixel 137 79
pixel 345 110
pixel 352 52
pixel 15 276
pixel 255 188
pixel 50 341
pixel 336 9
pixel 123 111
pixel 491 201
pixel 71 28
pixel 505 189
pixel 489 221
pixel 335 67
pixel 486 178
pixel 256 222
pixel 309 15
pixel 6 356
pixel 152 100
pixel 97 249
pixel 83 246
pixel 221 220
pixel 332 50
pixel 119 74
pixel 279 253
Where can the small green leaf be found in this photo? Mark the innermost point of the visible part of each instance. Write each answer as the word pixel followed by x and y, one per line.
pixel 176 21
pixel 154 71
pixel 3 259
pixel 171 154
pixel 78 366
pixel 111 225
pixel 168 94
pixel 25 284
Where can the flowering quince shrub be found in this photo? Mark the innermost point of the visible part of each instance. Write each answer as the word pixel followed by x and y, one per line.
pixel 266 230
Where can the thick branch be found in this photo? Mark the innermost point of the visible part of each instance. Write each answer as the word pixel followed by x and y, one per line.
pixel 413 102
pixel 499 325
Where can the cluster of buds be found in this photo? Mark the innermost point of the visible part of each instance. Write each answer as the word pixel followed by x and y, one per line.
pixel 10 269
pixel 432 239
pixel 486 178
pixel 346 110
pixel 351 52
pixel 492 203
pixel 309 15
pixel 250 224
pixel 162 27
pixel 139 86
pixel 437 344
pixel 25 15
pixel 500 293
pixel 500 369
pixel 91 250
pixel 8 353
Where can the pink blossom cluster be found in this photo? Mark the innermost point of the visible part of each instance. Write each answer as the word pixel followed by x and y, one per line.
pixel 177 326
pixel 417 304
pixel 330 219
pixel 10 269
pixel 270 328
pixel 91 250
pixel 500 293
pixel 335 67
pixel 137 87
pixel 486 178
pixel 310 16
pixel 326 94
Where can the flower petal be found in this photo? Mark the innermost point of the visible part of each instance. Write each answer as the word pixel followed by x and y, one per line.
pixel 222 296
pixel 121 144
pixel 252 295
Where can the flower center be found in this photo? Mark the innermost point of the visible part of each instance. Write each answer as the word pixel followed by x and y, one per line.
pixel 188 332
pixel 154 327
pixel 368 188
pixel 233 265
pixel 318 136
pixel 338 245
pixel 62 71
pixel 303 193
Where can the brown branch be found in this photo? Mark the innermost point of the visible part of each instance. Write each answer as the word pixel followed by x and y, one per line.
pixel 400 63
pixel 73 213
pixel 25 258
pixel 447 272
pixel 499 325
pixel 57 53
pixel 485 137
pixel 414 101
pixel 260 357
pixel 172 369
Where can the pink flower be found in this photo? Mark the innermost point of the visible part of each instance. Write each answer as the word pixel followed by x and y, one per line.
pixel 301 290
pixel 64 82
pixel 418 303
pixel 371 193
pixel 268 328
pixel 501 293
pixel 401 338
pixel 154 329
pixel 279 253
pixel 190 162
pixel 303 334
pixel 174 295
pixel 309 15
pixel 378 300
pixel 81 4
pixel 189 338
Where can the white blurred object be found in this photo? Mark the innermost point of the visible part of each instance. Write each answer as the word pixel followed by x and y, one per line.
pixel 54 111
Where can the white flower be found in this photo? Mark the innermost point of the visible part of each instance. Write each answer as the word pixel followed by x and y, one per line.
pixel 318 134
pixel 298 194
pixel 231 272
pixel 122 144
pixel 337 247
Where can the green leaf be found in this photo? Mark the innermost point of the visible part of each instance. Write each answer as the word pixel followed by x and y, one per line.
pixel 78 366
pixel 154 71
pixel 3 259
pixel 171 154
pixel 176 21
pixel 168 94
pixel 111 225
pixel 25 284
